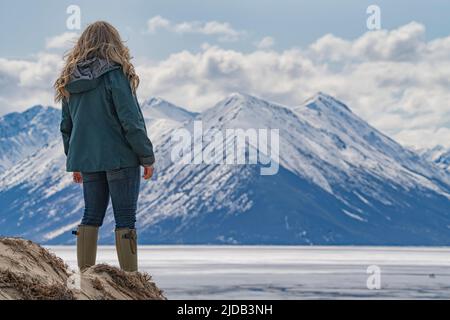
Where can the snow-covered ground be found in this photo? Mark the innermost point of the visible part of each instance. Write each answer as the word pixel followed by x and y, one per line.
pixel 289 272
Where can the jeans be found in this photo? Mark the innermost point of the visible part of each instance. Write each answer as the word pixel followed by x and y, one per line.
pixel 123 187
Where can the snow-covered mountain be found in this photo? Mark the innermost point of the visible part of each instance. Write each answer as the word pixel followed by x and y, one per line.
pixel 340 181
pixel 439 155
pixel 157 108
pixel 21 134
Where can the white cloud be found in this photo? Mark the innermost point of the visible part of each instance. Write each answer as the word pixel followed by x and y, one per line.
pixel 403 44
pixel 62 41
pixel 424 138
pixel 157 22
pixel 265 43
pixel 396 80
pixel 223 30
pixel 25 83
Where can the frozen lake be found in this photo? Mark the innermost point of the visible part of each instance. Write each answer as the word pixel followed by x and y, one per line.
pixel 288 272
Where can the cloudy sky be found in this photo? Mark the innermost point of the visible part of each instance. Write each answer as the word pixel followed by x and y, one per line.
pixel 194 53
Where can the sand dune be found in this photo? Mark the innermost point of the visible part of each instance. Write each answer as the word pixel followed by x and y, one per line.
pixel 30 272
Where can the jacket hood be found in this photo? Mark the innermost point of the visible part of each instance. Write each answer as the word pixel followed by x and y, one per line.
pixel 87 73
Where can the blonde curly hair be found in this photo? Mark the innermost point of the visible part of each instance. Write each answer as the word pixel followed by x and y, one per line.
pixel 100 39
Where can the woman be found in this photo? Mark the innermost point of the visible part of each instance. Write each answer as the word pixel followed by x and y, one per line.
pixel 105 138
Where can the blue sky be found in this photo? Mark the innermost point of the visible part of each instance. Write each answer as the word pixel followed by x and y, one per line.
pixel 291 22
pixel 194 53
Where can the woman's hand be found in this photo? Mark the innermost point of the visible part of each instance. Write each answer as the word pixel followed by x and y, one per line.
pixel 77 177
pixel 148 172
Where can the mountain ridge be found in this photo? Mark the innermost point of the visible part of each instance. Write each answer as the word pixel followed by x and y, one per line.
pixel 340 181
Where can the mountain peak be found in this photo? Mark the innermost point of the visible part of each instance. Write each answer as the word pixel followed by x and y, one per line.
pixel 238 97
pixel 324 95
pixel 24 117
pixel 158 108
pixel 156 101
pixel 320 100
pixel 241 99
pixel 38 109
pixel 35 108
pixel 326 101
pixel 28 113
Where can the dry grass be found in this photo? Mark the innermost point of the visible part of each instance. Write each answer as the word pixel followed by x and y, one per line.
pixel 136 285
pixel 26 247
pixel 29 288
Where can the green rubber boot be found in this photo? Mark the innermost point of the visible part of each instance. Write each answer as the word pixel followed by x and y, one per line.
pixel 87 237
pixel 126 246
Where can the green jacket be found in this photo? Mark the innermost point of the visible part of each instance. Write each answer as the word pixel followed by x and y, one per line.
pixel 102 124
